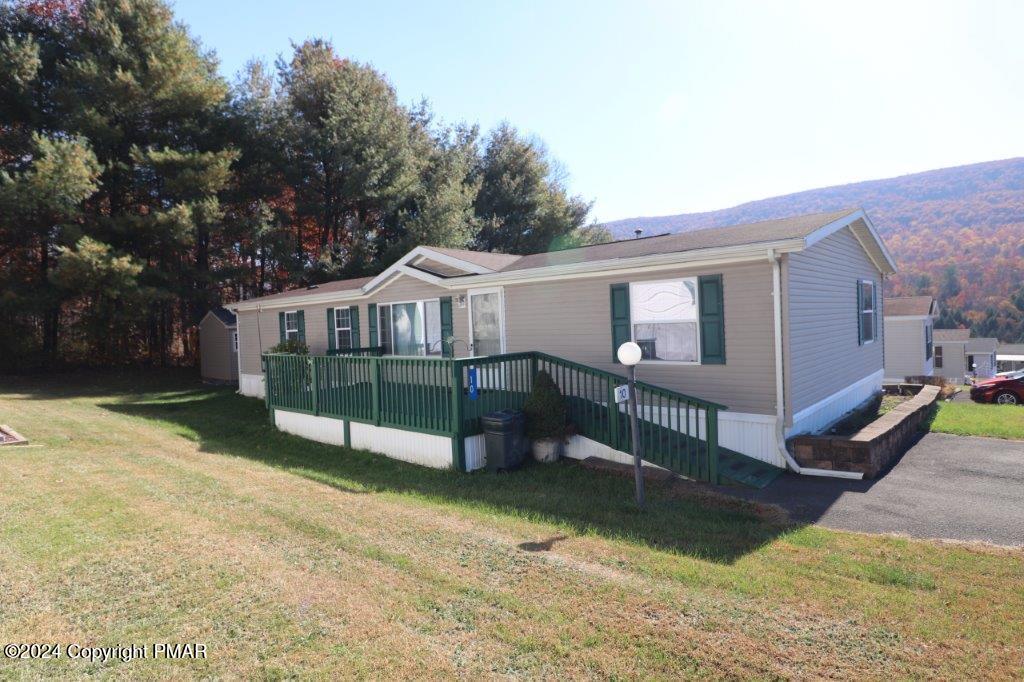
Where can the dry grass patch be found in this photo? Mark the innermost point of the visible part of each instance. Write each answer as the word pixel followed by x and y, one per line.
pixel 153 510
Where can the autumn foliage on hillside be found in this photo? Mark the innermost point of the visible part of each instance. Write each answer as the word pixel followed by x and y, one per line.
pixel 956 233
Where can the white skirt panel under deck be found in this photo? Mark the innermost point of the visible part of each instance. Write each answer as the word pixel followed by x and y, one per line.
pixel 408 446
pixel 321 429
pixel 476 452
pixel 417 448
pixel 747 433
pixel 251 385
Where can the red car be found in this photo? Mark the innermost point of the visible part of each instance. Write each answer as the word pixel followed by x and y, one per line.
pixel 1007 389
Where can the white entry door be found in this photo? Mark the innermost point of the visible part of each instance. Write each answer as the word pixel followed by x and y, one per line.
pixel 486 322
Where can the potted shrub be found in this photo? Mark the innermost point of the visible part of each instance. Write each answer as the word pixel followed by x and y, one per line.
pixel 291 346
pixel 545 418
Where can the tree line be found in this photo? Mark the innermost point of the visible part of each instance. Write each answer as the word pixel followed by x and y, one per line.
pixel 139 188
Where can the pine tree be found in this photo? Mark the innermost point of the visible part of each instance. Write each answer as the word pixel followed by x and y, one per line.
pixel 522 204
pixel 350 152
pixel 145 96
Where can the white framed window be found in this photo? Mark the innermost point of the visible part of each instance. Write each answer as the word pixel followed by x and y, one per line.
pixel 291 325
pixel 410 328
pixel 664 320
pixel 868 315
pixel 343 329
pixel 234 340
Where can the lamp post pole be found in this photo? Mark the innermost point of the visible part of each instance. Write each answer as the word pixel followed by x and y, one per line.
pixel 638 467
pixel 629 354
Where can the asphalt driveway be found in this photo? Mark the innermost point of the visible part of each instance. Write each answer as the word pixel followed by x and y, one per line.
pixel 950 487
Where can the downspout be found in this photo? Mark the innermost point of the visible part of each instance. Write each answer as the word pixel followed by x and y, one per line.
pixel 780 404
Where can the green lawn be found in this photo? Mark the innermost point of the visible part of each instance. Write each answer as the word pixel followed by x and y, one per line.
pixel 147 508
pixel 973 419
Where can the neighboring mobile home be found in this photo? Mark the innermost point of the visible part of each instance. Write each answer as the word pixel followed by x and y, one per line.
pixel 758 317
pixel 1010 357
pixel 218 347
pixel 908 337
pixel 959 356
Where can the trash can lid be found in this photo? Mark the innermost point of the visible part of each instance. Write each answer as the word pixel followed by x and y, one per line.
pixel 501 416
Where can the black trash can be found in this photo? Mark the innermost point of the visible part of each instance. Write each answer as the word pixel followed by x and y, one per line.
pixel 504 440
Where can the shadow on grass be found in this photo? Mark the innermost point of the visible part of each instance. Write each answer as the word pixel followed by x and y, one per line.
pixel 97 383
pixel 576 499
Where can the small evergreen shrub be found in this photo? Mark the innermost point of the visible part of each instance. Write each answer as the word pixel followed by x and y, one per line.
pixel 293 346
pixel 545 409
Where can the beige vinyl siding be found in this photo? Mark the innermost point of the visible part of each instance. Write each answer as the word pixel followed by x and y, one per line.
pixel 255 339
pixel 954 361
pixel 401 288
pixel 824 355
pixel 216 350
pixel 904 349
pixel 571 318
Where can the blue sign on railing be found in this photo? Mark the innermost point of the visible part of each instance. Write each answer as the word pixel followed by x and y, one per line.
pixel 474 391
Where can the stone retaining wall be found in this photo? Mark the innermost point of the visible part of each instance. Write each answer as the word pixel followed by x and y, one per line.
pixel 872 448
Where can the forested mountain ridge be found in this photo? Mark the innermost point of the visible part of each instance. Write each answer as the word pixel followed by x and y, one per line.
pixel 956 233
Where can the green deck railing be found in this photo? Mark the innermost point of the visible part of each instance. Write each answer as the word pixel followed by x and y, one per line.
pixel 366 351
pixel 431 395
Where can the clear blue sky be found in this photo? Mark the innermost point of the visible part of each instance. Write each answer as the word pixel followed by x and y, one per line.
pixel 658 108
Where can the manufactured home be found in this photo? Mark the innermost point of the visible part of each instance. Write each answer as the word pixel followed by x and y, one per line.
pixel 773 328
pixel 909 343
pixel 218 347
pixel 959 356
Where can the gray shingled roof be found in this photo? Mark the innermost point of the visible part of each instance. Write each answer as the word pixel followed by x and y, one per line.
pixel 947 335
pixel 709 238
pixel 982 345
pixel 225 316
pixel 326 287
pixel 491 261
pixel 907 305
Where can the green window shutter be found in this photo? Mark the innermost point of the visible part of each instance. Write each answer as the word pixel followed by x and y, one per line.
pixel 874 312
pixel 371 319
pixel 447 328
pixel 860 316
pixel 332 339
pixel 280 324
pixel 712 320
pixel 353 312
pixel 620 317
pixel 302 326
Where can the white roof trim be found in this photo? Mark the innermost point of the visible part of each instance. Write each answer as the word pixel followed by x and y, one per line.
pixel 425 252
pixel 909 317
pixel 889 267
